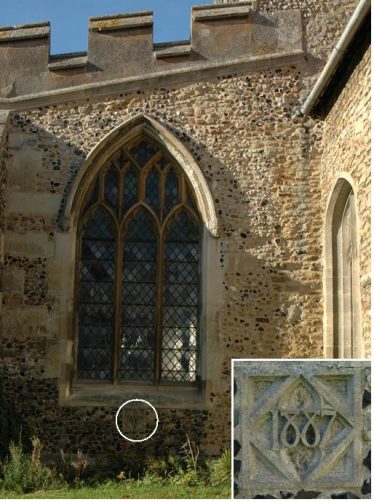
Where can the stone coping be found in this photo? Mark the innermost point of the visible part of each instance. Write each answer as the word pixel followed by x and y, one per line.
pixel 121 47
pixel 171 77
pixel 25 31
pixel 173 51
pixel 121 21
pixel 247 3
pixel 209 14
pixel 66 62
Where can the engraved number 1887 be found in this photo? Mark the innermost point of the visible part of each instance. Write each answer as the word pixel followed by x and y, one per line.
pixel 291 433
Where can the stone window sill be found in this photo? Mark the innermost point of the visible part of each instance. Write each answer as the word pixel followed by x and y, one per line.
pixel 110 395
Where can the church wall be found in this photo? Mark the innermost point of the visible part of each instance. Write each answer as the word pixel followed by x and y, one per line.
pixel 3 174
pixel 323 23
pixel 346 151
pixel 261 167
pixel 121 48
pixel 261 163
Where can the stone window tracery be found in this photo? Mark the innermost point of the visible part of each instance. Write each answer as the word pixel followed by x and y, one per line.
pixel 138 277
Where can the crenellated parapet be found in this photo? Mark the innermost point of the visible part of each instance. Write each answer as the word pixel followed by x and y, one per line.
pixel 121 47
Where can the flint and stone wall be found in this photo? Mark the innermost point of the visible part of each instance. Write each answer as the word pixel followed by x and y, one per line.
pixel 302 429
pixel 346 154
pixel 266 263
pixel 3 173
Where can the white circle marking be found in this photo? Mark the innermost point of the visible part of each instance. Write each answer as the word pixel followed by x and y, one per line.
pixel 136 440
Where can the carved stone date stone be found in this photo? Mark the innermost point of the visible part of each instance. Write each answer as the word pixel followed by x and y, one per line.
pixel 301 429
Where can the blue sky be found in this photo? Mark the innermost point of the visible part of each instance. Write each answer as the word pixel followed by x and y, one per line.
pixel 69 18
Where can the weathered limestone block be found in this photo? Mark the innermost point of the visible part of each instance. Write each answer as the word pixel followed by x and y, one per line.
pixel 23 170
pixel 122 43
pixel 13 280
pixel 25 46
pixel 59 284
pixel 301 428
pixel 33 244
pixel 33 321
pixel 58 353
pixel 34 203
pixel 255 33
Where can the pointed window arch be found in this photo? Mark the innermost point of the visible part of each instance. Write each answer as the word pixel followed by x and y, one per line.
pixel 342 308
pixel 138 270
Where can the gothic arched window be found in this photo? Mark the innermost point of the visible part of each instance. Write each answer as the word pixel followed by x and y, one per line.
pixel 138 280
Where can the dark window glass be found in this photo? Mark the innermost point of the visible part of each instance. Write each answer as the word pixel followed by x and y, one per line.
pixel 171 191
pixel 130 188
pixel 96 296
pixel 142 152
pixel 152 191
pixel 111 188
pixel 139 298
pixel 181 300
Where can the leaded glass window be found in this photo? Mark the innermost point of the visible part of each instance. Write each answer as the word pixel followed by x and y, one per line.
pixel 138 277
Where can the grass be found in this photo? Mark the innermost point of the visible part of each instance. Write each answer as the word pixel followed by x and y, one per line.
pixel 23 475
pixel 129 489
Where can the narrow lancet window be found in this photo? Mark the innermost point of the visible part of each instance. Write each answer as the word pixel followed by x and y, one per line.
pixel 345 315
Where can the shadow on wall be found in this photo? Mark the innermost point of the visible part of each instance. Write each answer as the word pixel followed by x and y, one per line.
pixel 263 312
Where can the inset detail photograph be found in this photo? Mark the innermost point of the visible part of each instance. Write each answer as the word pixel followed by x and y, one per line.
pixel 301 429
pixel 182 182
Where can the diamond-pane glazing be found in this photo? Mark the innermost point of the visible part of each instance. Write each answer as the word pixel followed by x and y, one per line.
pixel 101 335
pixel 138 337
pixel 139 272
pixel 111 188
pixel 183 251
pixel 138 317
pixel 130 188
pixel 181 300
pixel 180 316
pixel 178 273
pixel 179 365
pixel 162 162
pixel 140 251
pixel 141 228
pixel 146 292
pixel 177 294
pixel 142 152
pixel 98 249
pixel 184 228
pixel 171 192
pixel 180 337
pixel 99 226
pixel 96 295
pixel 99 271
pixel 152 190
pixel 95 314
pixel 97 292
pixel 94 363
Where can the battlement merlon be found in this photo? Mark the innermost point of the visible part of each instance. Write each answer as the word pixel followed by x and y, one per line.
pixel 122 46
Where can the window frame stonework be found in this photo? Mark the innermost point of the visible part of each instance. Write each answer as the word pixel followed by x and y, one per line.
pixel 75 394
